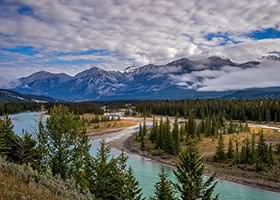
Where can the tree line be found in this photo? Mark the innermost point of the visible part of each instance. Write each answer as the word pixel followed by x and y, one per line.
pixel 259 153
pixel 16 107
pixel 63 148
pixel 77 108
pixel 261 110
pixel 169 137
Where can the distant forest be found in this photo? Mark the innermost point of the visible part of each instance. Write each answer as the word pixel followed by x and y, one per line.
pixel 252 110
pixel 262 110
pixel 77 108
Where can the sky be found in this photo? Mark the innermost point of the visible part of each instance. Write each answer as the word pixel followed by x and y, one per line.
pixel 71 36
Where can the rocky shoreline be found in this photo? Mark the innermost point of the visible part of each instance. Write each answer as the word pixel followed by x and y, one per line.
pixel 127 146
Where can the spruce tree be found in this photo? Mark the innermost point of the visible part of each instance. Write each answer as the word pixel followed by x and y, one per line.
pixel 191 126
pixel 253 149
pixel 230 151
pixel 63 144
pixel 154 130
pixel 163 188
pixel 160 134
pixel 140 130
pixel 126 183
pixel 105 179
pixel 270 160
pixel 182 132
pixel 142 136
pixel 189 176
pixel 248 153
pixel 220 150
pixel 261 152
pixel 176 137
pixel 3 145
pixel 236 155
pixel 144 127
pixel 23 149
pixel 132 189
pixel 6 134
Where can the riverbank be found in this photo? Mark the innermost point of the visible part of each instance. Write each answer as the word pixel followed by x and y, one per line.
pixel 222 172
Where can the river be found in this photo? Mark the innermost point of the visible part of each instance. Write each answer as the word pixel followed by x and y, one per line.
pixel 146 171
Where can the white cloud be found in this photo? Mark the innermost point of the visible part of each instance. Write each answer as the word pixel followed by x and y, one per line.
pixel 136 32
pixel 265 75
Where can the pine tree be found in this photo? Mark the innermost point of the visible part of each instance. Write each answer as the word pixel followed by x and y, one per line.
pixel 189 176
pixel 142 135
pixel 3 148
pixel 144 127
pixel 23 149
pixel 270 155
pixel 140 130
pixel 261 152
pixel 154 131
pixel 159 135
pixel 191 126
pixel 3 145
pixel 236 156
pixel 63 144
pixel 127 185
pixel 176 138
pixel 253 149
pixel 105 178
pixel 220 151
pixel 182 133
pixel 230 152
pixel 6 134
pixel 132 189
pixel 163 188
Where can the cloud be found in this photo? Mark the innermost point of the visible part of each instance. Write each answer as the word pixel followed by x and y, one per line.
pixel 134 32
pixel 264 75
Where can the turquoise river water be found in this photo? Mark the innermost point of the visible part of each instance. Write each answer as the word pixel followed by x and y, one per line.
pixel 146 170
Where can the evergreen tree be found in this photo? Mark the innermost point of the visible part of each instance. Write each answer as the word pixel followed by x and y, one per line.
pixel 163 188
pixel 132 189
pixel 3 143
pixel 230 152
pixel 144 127
pixel 6 134
pixel 154 131
pixel 220 151
pixel 142 136
pixel 236 156
pixel 111 178
pixel 182 133
pixel 23 149
pixel 261 152
pixel 189 176
pixel 63 144
pixel 191 126
pixel 160 133
pixel 253 149
pixel 105 178
pixel 270 155
pixel 3 148
pixel 176 138
pixel 140 132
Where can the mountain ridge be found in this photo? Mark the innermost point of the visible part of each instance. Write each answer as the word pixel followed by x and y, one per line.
pixel 178 79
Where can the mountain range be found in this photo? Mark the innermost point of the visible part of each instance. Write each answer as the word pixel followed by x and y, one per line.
pixel 12 96
pixel 148 82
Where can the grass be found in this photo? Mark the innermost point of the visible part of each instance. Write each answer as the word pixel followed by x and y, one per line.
pixel 21 182
pixel 105 126
pixel 208 145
